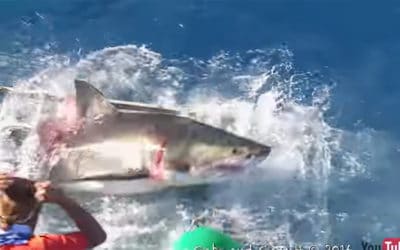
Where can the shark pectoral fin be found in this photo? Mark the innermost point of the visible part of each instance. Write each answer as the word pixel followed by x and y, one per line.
pixel 114 187
pixel 91 103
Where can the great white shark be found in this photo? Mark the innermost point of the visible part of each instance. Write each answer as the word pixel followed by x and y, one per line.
pixel 110 146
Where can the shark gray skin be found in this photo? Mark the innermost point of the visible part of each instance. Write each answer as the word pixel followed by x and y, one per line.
pixel 124 143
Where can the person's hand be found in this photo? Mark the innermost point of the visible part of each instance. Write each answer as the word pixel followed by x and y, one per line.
pixel 46 192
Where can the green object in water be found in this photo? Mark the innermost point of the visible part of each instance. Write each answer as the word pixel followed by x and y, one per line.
pixel 205 238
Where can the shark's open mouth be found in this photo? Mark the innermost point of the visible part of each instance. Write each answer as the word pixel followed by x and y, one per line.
pixel 228 166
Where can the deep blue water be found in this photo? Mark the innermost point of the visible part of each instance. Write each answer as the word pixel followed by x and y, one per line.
pixel 355 41
pixel 351 45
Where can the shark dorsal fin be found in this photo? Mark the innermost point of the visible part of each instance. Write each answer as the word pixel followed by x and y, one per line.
pixel 90 101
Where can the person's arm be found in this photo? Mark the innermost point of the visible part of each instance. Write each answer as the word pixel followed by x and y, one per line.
pixel 86 223
pixel 33 220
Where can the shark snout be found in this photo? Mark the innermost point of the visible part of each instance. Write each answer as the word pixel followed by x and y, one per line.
pixel 259 151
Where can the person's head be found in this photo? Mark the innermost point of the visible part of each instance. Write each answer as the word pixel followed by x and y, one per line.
pixel 17 202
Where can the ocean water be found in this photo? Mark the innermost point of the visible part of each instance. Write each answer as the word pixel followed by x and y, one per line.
pixel 316 80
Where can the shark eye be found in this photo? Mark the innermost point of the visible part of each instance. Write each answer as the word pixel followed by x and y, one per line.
pixel 235 151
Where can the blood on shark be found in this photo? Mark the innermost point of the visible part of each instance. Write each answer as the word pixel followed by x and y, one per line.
pixel 95 138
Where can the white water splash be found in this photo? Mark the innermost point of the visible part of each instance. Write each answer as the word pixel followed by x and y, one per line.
pixel 261 99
